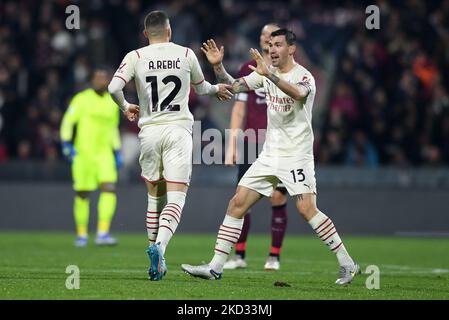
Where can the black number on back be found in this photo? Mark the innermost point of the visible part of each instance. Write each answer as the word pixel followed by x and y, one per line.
pixel 165 105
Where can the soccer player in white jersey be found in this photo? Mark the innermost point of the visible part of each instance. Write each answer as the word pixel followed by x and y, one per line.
pixel 163 73
pixel 287 155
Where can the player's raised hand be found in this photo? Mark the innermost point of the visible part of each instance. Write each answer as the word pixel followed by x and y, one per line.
pixel 224 91
pixel 213 54
pixel 133 112
pixel 262 67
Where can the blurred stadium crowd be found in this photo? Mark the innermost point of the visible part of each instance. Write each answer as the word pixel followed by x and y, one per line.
pixel 388 101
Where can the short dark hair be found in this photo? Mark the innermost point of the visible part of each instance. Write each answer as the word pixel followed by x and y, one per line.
pixel 156 21
pixel 100 68
pixel 290 36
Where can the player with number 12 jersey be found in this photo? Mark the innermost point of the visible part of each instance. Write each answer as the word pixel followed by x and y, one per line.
pixel 163 73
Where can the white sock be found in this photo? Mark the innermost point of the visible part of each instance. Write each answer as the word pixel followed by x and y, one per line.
pixel 325 229
pixel 170 217
pixel 228 235
pixel 155 206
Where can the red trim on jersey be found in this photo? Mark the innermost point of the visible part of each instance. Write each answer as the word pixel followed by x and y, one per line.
pixel 137 53
pixel 121 67
pixel 195 84
pixel 120 78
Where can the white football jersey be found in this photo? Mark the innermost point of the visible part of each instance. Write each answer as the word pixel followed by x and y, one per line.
pixel 163 73
pixel 289 125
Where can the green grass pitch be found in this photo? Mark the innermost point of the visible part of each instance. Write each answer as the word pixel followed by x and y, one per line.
pixel 33 265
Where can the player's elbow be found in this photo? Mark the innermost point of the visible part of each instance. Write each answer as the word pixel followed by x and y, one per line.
pixel 299 94
pixel 112 89
pixel 198 90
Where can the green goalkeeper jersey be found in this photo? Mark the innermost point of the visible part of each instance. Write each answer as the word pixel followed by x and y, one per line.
pixel 97 119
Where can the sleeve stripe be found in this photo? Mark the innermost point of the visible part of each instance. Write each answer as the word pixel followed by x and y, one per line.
pixel 187 52
pixel 121 78
pixel 138 55
pixel 306 85
pixel 195 84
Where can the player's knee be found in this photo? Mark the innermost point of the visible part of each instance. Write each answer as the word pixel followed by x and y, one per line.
pixel 278 199
pixel 306 207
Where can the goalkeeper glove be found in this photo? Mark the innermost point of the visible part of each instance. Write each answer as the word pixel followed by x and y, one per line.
pixel 118 159
pixel 68 150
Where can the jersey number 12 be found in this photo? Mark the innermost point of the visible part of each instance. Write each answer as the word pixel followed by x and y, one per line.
pixel 165 104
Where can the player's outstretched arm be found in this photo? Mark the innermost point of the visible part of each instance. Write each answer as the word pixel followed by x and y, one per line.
pixel 215 58
pixel 297 92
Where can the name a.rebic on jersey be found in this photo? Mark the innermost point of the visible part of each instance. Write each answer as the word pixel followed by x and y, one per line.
pixel 165 64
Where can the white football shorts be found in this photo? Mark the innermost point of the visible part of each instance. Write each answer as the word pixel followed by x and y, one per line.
pixel 264 175
pixel 166 153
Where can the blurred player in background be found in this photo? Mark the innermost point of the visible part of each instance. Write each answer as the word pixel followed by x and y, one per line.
pixel 250 112
pixel 94 155
pixel 163 73
pixel 287 154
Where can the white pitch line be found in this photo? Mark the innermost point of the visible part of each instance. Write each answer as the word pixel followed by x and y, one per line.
pixel 384 269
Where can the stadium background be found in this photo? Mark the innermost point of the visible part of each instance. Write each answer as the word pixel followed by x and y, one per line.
pixel 381 118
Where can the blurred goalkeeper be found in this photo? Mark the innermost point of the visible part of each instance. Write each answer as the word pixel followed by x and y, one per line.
pixel 94 155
